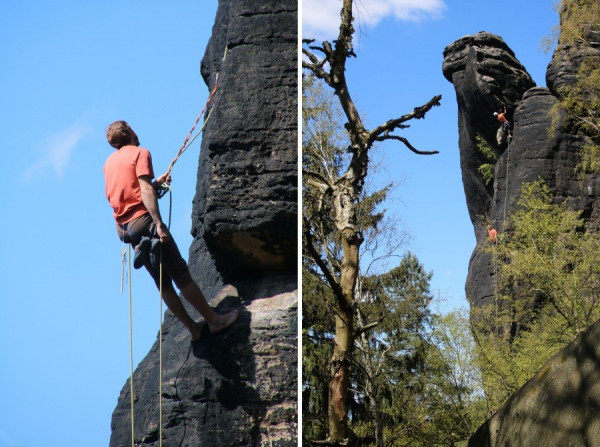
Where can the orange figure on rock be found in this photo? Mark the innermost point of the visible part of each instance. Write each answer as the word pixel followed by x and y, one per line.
pixel 493 234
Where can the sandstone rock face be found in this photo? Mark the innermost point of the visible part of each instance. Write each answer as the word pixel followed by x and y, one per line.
pixel 245 209
pixel 486 76
pixel 236 388
pixel 239 387
pixel 560 406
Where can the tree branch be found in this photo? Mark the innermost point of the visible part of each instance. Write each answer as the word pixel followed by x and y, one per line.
pixel 406 143
pixel 365 328
pixel 317 180
pixel 332 442
pixel 317 71
pixel 391 125
pixel 316 65
pixel 335 287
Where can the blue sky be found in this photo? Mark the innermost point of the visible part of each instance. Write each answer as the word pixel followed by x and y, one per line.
pixel 71 68
pixel 399 45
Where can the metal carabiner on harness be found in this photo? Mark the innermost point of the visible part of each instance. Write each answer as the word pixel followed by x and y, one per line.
pixel 162 190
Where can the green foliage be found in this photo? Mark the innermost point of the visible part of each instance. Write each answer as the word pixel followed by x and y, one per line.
pixel 485 149
pixel 456 405
pixel 581 99
pixel 390 360
pixel 582 104
pixel 486 170
pixel 590 158
pixel 415 367
pixel 317 348
pixel 548 270
pixel 548 41
pixel 578 17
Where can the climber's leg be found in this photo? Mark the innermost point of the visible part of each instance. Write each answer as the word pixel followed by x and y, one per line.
pixel 175 305
pixel 215 322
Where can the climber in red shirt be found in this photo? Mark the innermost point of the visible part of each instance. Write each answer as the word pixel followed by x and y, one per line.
pixel 493 234
pixel 501 116
pixel 132 195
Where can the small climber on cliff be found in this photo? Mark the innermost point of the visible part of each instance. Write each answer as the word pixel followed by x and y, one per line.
pixel 492 234
pixel 131 193
pixel 505 124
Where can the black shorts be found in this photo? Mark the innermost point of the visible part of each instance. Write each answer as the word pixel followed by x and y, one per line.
pixel 174 266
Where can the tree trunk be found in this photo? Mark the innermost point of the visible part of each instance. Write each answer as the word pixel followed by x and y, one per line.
pixel 340 377
pixel 344 337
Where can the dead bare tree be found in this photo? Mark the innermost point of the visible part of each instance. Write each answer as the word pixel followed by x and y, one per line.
pixel 328 62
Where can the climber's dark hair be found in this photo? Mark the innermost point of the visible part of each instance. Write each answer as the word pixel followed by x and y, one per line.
pixel 119 134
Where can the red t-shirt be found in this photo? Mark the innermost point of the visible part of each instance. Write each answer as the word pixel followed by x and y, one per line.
pixel 121 172
pixel 502 118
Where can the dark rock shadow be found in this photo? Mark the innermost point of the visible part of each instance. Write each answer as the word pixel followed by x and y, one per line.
pixel 230 354
pixel 226 349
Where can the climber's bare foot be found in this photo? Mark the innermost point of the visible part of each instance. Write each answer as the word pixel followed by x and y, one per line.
pixel 223 321
pixel 196 331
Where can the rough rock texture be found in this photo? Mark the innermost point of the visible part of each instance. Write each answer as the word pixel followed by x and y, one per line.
pixel 560 406
pixel 246 197
pixel 486 75
pixel 237 388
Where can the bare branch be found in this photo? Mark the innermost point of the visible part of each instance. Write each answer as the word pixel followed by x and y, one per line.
pixel 406 143
pixel 417 113
pixel 317 71
pixel 311 56
pixel 317 180
pixel 365 328
pixel 316 65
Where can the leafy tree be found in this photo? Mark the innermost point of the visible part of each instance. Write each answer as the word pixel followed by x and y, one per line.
pixel 391 356
pixel 339 196
pixel 578 19
pixel 456 404
pixel 317 347
pixel 486 170
pixel 549 292
pixel 580 26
